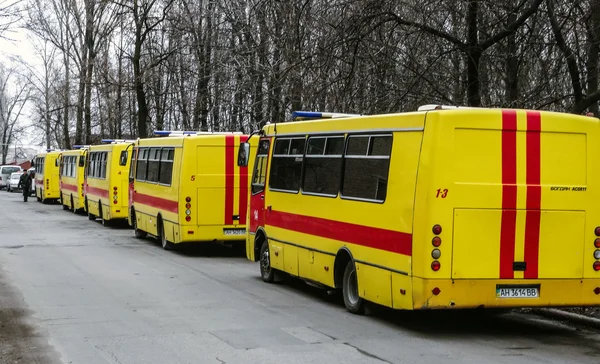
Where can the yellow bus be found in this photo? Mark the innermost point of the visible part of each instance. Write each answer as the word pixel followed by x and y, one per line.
pixel 106 185
pixel 72 171
pixel 187 187
pixel 434 209
pixel 47 180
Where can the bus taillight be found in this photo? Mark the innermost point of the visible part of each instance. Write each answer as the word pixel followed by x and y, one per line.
pixel 188 212
pixel 596 266
pixel 597 243
pixel 437 229
pixel 597 231
pixel 437 241
pixel 435 265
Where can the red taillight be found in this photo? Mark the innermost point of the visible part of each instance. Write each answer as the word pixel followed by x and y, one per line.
pixel 435 265
pixel 115 193
pixel 597 231
pixel 115 188
pixel 188 199
pixel 188 218
pixel 437 241
pixel 596 266
pixel 437 229
pixel 436 291
pixel 597 243
pixel 188 205
pixel 115 202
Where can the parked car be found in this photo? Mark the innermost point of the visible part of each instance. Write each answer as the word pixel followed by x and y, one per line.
pixel 13 181
pixel 5 172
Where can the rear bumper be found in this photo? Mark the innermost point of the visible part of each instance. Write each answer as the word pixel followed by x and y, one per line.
pixel 210 233
pixel 466 293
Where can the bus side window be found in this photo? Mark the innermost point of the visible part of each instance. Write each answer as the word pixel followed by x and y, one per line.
pixel 366 167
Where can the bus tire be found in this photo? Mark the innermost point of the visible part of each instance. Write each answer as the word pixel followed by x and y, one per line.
pixel 266 272
pixel 166 245
pixel 73 209
pixel 139 234
pixel 353 302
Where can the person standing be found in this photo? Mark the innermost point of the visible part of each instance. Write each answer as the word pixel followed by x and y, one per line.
pixel 25 184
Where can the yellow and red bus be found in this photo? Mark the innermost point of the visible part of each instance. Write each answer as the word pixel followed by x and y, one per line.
pixel 434 209
pixel 187 187
pixel 106 180
pixel 47 179
pixel 72 173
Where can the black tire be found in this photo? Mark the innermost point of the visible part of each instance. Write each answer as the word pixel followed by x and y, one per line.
pixel 73 209
pixel 162 238
pixel 266 272
pixel 352 301
pixel 139 234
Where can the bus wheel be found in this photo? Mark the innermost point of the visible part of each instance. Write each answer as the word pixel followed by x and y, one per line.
pixel 73 209
pixel 138 233
pixel 266 272
pixel 352 300
pixel 166 245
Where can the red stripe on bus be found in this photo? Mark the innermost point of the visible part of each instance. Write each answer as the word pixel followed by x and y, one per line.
pixel 509 193
pixel 156 202
pixel 96 191
pixel 377 238
pixel 69 187
pixel 229 178
pixel 534 194
pixel 243 194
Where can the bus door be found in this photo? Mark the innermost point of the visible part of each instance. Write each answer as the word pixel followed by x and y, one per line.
pixel 259 176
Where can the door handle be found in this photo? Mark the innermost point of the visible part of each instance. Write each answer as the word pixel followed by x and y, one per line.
pixel 269 208
pixel 262 197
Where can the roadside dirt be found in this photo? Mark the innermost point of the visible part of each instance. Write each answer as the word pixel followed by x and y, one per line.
pixel 20 342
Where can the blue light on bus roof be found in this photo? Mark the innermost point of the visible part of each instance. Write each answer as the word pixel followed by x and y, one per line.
pixel 107 141
pixel 307 115
pixel 175 132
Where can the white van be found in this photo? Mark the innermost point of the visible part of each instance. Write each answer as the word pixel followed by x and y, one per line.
pixel 5 172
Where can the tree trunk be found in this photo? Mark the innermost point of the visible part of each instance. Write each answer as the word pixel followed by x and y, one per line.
pixel 593 54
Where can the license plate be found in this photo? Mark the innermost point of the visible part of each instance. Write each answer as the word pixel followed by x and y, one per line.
pixel 234 231
pixel 517 292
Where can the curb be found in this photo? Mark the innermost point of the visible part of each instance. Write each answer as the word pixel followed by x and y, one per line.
pixel 564 315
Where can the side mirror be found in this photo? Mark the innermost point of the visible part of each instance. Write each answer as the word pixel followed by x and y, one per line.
pixel 123 158
pixel 57 162
pixel 243 154
pixel 81 162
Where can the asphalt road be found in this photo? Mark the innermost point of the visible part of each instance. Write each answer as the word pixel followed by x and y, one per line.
pixel 72 291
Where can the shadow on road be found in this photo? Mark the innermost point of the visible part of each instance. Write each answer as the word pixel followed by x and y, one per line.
pixel 462 324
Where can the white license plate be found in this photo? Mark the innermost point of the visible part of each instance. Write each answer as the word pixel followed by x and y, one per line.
pixel 234 231
pixel 517 292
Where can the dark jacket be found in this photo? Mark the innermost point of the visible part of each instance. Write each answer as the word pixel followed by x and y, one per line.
pixel 25 182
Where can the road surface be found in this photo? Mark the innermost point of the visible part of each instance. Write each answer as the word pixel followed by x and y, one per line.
pixel 74 292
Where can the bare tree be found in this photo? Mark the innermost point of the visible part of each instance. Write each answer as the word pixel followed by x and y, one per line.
pixel 12 102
